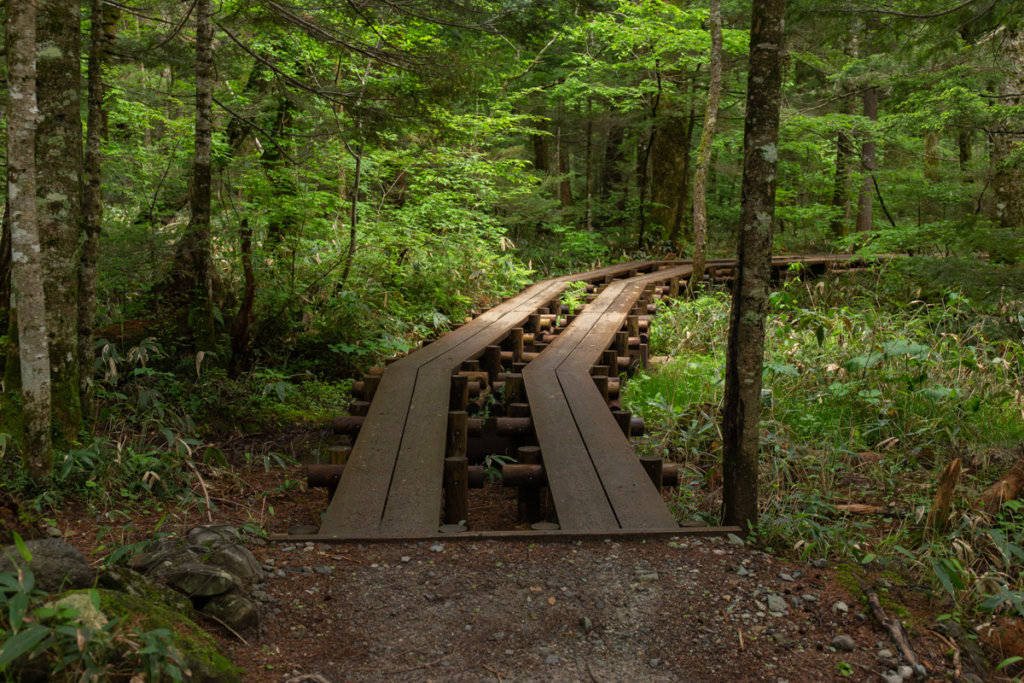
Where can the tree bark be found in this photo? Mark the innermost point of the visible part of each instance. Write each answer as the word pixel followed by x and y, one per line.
pixel 745 352
pixel 1008 138
pixel 29 300
pixel 867 163
pixel 839 224
pixel 59 194
pixel 92 203
pixel 197 247
pixel 707 137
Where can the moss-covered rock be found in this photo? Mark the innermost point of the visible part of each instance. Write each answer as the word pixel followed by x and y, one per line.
pixel 199 650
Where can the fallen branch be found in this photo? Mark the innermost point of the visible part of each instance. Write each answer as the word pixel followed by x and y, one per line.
pixel 958 671
pixel 1007 488
pixel 896 632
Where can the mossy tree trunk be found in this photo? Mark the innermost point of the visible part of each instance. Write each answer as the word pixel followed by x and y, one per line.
pixel 59 192
pixel 741 409
pixel 707 137
pixel 195 252
pixel 29 302
pixel 1008 138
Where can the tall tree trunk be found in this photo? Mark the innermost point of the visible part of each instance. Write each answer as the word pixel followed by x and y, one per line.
pixel 683 217
pixel 564 171
pixel 931 156
pixel 59 192
pixel 589 221
pixel 198 248
pixel 643 165
pixel 1008 138
pixel 92 203
pixel 839 224
pixel 540 152
pixel 29 299
pixel 741 410
pixel 612 177
pixel 964 142
pixel 707 137
pixel 867 163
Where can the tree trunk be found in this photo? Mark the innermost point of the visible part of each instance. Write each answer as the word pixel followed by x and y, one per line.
pixel 1008 138
pixel 642 165
pixel 29 302
pixel 564 171
pixel 59 192
pixel 678 232
pixel 700 176
pixel 589 220
pixel 964 140
pixel 839 224
pixel 931 156
pixel 867 163
pixel 92 203
pixel 612 177
pixel 197 247
pixel 741 409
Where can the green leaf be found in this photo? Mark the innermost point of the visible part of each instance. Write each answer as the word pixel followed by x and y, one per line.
pixel 22 548
pixel 21 643
pixel 1009 661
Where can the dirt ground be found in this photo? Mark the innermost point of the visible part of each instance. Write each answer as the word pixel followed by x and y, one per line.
pixel 665 609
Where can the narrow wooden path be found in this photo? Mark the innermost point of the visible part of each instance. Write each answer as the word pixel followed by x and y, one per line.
pixel 392 485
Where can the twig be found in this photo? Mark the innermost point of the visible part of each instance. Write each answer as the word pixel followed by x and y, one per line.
pixel 233 631
pixel 739 632
pixel 202 485
pixel 424 665
pixel 957 670
pixel 896 632
pixel 496 673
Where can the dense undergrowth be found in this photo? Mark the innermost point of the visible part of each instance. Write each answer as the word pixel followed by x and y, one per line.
pixel 871 386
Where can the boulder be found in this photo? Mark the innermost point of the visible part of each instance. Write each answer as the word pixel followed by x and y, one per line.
pixel 202 581
pixel 56 564
pixel 235 610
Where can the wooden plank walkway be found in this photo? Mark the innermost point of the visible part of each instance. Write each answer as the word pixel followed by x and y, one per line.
pixel 392 483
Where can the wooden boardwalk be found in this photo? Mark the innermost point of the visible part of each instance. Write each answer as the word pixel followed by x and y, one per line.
pixel 392 484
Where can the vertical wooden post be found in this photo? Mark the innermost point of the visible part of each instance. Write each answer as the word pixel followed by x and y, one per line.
pixel 456 490
pixel 622 343
pixel 673 288
pixel 370 384
pixel 633 325
pixel 625 420
pixel 516 335
pixel 653 466
pixel 529 496
pixel 492 362
pixel 458 399
pixel 513 388
pixel 610 359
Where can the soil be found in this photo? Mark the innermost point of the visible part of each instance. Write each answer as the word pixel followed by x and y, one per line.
pixel 680 609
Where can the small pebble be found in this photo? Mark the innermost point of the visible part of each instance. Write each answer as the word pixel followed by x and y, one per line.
pixel 844 644
pixel 323 569
pixel 892 677
pixel 885 654
pixel 809 597
pixel 819 563
pixel 406 558
pixel 840 606
pixel 786 577
pixel 655 662
pixel 552 660
pixel 437 548
pixel 733 539
pixel 905 671
pixel 776 603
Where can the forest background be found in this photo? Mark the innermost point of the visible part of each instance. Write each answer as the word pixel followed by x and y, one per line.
pixel 241 206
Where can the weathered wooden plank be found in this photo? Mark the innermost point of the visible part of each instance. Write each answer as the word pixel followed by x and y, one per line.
pixel 637 504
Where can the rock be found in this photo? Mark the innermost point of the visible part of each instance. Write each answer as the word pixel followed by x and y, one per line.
pixel 647 577
pixel 53 532
pixel 307 678
pixel 733 539
pixel 819 563
pixel 437 548
pixel 213 534
pixel 89 615
pixel 905 671
pixel 553 660
pixel 840 606
pixel 891 677
pixel 236 559
pixel 140 586
pixel 655 662
pixel 844 644
pixel 809 597
pixel 586 624
pixel 776 603
pixel 742 571
pixel 200 580
pixel 235 610
pixel 56 564
pixel 786 577
pixel 885 654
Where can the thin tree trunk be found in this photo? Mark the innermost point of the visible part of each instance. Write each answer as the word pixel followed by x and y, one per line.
pixel 839 224
pixel 931 156
pixel 741 409
pixel 59 194
pixel 243 319
pixel 1007 140
pixel 199 237
pixel 684 217
pixel 964 141
pixel 643 162
pixel 867 163
pixel 29 302
pixel 92 203
pixel 707 137
pixel 565 180
pixel 590 167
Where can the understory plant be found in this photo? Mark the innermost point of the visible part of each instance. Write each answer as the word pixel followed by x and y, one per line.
pixel 868 394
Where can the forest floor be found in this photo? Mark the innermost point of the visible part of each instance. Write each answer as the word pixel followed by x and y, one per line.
pixel 679 609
